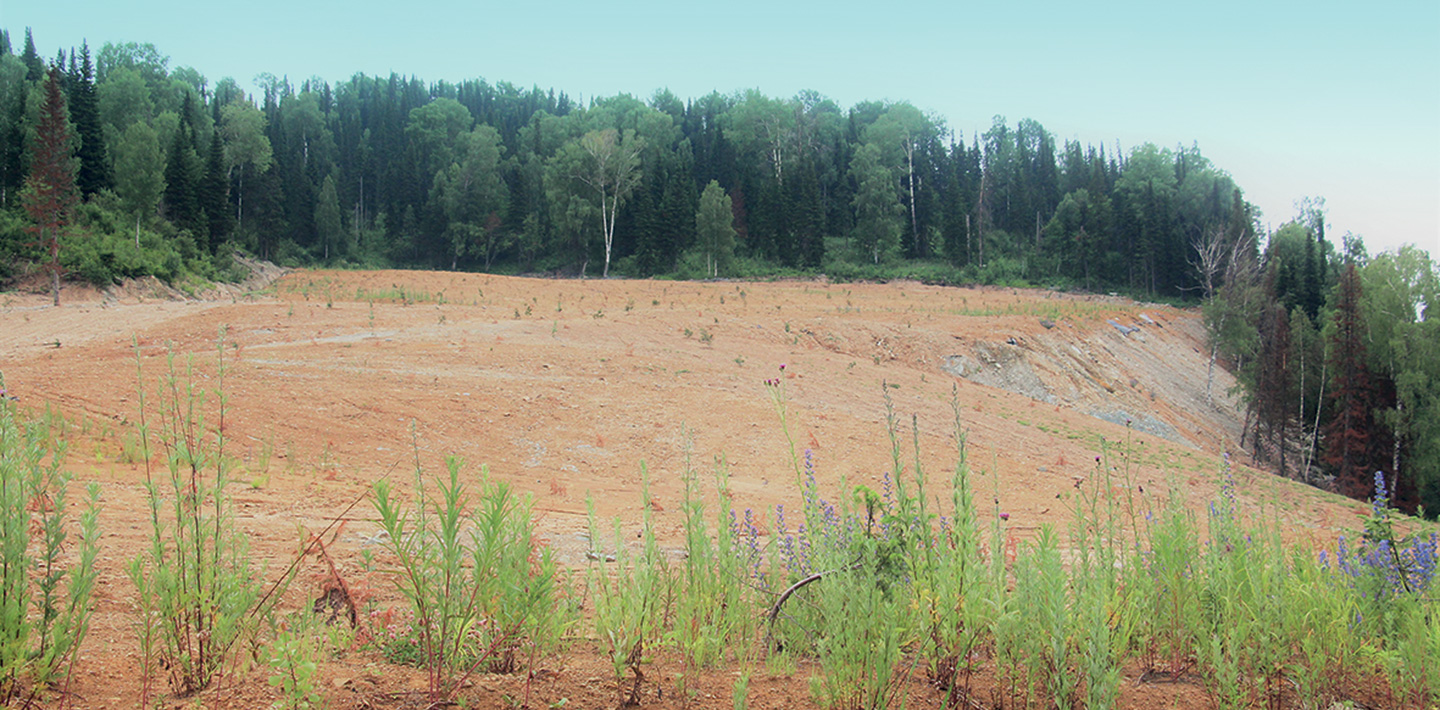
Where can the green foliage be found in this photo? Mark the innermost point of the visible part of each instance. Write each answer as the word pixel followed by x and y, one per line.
pixel 106 248
pixel 632 596
pixel 715 233
pixel 139 172
pixel 293 669
pixel 877 206
pixel 1400 291
pixel 489 176
pixel 327 221
pixel 714 607
pixel 480 594
pixel 44 602
pixel 198 595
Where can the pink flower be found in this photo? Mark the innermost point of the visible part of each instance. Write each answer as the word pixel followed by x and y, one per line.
pixel 1004 516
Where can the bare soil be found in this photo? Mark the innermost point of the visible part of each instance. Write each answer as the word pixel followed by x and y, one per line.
pixel 568 389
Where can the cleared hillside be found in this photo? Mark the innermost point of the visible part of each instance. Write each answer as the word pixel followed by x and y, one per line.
pixel 564 388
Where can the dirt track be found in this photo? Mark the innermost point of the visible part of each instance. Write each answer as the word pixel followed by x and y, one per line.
pixel 565 387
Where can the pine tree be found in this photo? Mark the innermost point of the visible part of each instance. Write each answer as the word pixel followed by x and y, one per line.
pixel 181 176
pixel 34 66
pixel 94 174
pixel 1348 433
pixel 212 197
pixel 807 215
pixel 1274 390
pixel 49 195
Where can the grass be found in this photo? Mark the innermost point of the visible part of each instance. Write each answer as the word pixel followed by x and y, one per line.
pixel 1056 619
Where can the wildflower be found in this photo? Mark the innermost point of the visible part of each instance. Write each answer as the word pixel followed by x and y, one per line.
pixel 1004 516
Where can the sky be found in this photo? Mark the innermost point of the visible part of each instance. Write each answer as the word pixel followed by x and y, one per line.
pixel 1335 100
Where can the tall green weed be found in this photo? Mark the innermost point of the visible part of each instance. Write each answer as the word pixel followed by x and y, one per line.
pixel 632 596
pixel 44 603
pixel 197 591
pixel 480 592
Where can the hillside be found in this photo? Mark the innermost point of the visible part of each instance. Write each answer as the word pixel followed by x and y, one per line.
pixel 565 387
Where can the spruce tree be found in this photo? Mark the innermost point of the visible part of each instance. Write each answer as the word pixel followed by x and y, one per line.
pixel 677 208
pixel 181 176
pixel 94 173
pixel 212 196
pixel 1274 386
pixel 49 196
pixel 807 215
pixel 1349 431
pixel 642 226
pixel 12 131
pixel 34 66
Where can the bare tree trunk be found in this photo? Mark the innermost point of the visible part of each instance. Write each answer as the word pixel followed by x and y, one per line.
pixel 1280 441
pixel 980 209
pixel 969 248
pixel 609 227
pixel 1395 439
pixel 1315 431
pixel 1301 417
pixel 914 222
pixel 240 202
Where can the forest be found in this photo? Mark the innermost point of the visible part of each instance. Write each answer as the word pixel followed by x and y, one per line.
pixel 115 166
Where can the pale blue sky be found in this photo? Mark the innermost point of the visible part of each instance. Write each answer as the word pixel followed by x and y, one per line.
pixel 1293 99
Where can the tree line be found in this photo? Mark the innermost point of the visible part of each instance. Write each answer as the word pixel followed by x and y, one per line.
pixel 117 166
pixel 393 171
pixel 1337 354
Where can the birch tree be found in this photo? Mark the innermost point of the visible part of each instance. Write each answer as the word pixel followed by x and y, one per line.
pixel 611 170
pixel 715 229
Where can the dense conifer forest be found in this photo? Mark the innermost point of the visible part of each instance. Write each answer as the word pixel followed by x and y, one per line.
pixel 115 165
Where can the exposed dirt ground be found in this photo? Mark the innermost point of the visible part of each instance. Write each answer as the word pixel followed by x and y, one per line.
pixel 564 388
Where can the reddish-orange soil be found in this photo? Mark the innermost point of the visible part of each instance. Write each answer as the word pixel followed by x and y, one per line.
pixel 568 388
